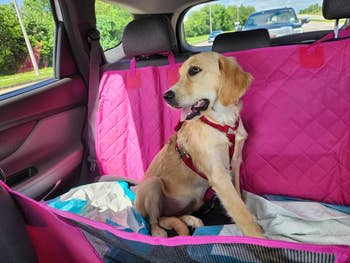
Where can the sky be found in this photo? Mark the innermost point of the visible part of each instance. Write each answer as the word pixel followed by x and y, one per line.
pixel 8 1
pixel 258 4
pixel 269 4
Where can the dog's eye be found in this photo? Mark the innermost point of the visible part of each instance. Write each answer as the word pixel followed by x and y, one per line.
pixel 194 70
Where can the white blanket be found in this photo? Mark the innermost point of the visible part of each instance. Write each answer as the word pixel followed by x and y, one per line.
pixel 308 222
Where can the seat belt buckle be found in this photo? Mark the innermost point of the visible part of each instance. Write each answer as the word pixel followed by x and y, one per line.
pixel 93 35
pixel 92 163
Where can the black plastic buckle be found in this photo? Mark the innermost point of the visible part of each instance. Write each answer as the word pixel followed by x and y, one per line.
pixel 92 163
pixel 93 35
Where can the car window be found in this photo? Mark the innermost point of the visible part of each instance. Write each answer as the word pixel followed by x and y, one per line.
pixel 111 20
pixel 202 23
pixel 26 43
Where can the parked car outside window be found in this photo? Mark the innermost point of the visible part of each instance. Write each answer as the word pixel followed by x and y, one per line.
pixel 213 35
pixel 279 22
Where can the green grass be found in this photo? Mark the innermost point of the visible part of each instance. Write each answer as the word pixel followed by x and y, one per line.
pixel 197 39
pixel 7 81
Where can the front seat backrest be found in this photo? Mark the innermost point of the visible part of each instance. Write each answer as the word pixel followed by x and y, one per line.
pixel 241 40
pixel 336 9
pixel 148 36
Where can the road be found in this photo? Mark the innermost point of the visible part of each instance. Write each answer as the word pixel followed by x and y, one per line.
pixel 314 26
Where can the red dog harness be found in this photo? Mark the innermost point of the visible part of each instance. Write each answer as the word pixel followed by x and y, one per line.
pixel 186 158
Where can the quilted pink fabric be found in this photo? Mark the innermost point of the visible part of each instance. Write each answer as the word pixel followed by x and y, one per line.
pixel 133 121
pixel 297 114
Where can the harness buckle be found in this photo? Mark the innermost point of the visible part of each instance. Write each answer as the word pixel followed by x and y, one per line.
pixel 182 153
pixel 230 131
pixel 92 163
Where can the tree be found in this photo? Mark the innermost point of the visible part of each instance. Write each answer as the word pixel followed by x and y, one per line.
pixel 12 46
pixel 111 21
pixel 244 12
pixel 312 9
pixel 197 23
pixel 223 17
pixel 40 26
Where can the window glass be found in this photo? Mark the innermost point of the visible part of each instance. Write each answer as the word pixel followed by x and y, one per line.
pixel 27 42
pixel 111 20
pixel 202 23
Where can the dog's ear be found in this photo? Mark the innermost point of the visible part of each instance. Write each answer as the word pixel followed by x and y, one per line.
pixel 234 81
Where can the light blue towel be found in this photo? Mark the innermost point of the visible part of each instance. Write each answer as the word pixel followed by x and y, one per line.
pixel 108 202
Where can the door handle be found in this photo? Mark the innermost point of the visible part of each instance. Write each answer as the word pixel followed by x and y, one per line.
pixel 20 176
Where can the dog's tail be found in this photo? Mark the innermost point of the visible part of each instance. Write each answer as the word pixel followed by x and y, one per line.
pixel 174 223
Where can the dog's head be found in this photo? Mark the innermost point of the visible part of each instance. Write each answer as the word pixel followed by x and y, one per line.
pixel 205 79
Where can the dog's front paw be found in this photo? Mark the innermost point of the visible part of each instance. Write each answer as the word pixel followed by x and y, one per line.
pixel 192 221
pixel 175 224
pixel 157 231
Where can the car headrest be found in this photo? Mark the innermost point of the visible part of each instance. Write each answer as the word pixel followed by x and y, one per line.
pixel 336 9
pixel 241 40
pixel 148 36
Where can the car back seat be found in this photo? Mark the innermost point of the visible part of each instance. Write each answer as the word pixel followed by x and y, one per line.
pixel 148 45
pixel 241 40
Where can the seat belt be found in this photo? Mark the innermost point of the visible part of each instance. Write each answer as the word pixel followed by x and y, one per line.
pixel 94 78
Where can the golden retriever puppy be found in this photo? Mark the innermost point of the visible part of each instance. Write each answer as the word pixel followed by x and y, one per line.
pixel 205 152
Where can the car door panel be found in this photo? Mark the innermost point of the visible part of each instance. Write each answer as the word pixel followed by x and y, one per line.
pixel 55 97
pixel 41 136
pixel 12 138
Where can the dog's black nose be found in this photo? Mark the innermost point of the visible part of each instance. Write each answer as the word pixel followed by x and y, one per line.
pixel 169 95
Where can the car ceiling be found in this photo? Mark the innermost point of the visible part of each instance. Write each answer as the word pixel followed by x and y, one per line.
pixel 156 6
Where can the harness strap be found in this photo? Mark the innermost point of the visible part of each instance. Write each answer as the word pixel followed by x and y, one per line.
pixel 209 195
pixel 188 161
pixel 228 130
pixel 186 158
